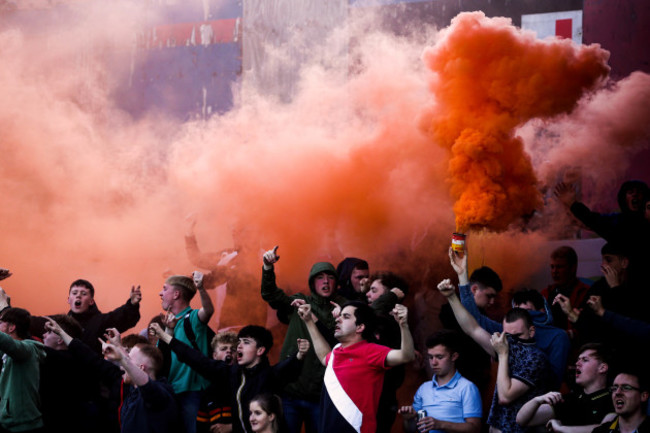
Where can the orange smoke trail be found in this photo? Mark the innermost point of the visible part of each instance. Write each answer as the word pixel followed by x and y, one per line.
pixel 490 78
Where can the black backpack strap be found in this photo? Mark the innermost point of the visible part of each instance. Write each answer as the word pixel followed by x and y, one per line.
pixel 189 332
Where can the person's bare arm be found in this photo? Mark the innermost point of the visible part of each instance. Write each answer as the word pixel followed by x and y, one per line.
pixel 118 355
pixel 508 388
pixel 468 323
pixel 320 345
pixel 52 326
pixel 406 352
pixel 157 331
pixel 565 194
pixel 458 261
pixel 207 308
pixel 538 410
pixel 556 426
pixel 5 299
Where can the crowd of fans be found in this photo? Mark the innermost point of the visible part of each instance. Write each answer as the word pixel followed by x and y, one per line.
pixel 569 358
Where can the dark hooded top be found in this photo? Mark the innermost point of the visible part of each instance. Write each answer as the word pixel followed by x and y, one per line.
pixel 344 271
pixel 95 323
pixel 309 383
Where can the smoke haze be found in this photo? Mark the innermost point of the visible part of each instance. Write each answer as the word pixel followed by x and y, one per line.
pixel 368 164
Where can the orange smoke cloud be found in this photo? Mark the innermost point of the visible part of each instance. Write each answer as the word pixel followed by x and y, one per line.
pixel 489 79
pixel 341 170
pixel 91 193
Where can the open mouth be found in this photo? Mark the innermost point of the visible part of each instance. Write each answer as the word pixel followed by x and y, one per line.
pixel 229 359
pixel 239 356
pixel 618 404
pixel 77 303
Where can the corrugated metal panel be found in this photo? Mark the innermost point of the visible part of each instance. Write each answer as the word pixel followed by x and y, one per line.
pixel 282 35
pixel 623 28
pixel 188 60
pixel 186 82
pixel 371 3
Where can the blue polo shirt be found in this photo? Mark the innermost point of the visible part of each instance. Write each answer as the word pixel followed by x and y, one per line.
pixel 454 401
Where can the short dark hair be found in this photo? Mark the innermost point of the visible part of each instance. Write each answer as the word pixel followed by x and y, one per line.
pixel 390 280
pixel 637 371
pixel 516 313
pixel 85 284
pixel 20 318
pixel 567 253
pixel 364 315
pixel 528 295
pixel 69 324
pixel 446 337
pixel 614 248
pixel 601 351
pixel 486 277
pixel 133 340
pixel 261 335
pixel 154 354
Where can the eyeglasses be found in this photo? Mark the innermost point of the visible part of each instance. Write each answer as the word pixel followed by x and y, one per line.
pixel 624 388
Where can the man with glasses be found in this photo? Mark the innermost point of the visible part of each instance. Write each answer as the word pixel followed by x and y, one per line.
pixel 630 398
pixel 523 372
pixel 575 412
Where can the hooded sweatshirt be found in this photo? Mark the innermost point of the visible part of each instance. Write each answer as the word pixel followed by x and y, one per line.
pixel 95 323
pixel 344 271
pixel 627 227
pixel 554 342
pixel 309 383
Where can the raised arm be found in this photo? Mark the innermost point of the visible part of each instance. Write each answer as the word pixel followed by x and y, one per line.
pixel 52 326
pixel 620 323
pixel 538 410
pixel 118 355
pixel 406 352
pixel 207 308
pixel 5 299
pixel 104 369
pixel 600 223
pixel 509 389
pixel 4 273
pixel 271 293
pixel 126 316
pixel 197 258
pixel 469 325
pixel 459 264
pixel 320 345
pixel 207 367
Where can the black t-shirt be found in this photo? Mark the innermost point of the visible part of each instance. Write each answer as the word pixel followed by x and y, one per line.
pixel 584 409
pixel 613 426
